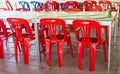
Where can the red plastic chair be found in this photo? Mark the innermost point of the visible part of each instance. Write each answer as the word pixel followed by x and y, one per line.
pixel 51 6
pixel 71 4
pixel 98 8
pixel 56 5
pixel 3 35
pixel 109 4
pixel 6 32
pixel 22 36
pixel 9 6
pixel 86 3
pixel 93 8
pixel 52 25
pixel 94 3
pixel 85 39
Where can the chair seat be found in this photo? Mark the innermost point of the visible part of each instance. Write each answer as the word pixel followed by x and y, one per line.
pixel 92 40
pixel 59 37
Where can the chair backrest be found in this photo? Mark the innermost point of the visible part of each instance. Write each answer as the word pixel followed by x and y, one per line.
pixel 85 27
pixel 9 6
pixel 63 6
pixel 52 6
pixel 36 4
pixel 106 5
pixel 72 4
pixel 101 2
pixel 94 3
pixel 109 4
pixel 20 26
pixel 56 5
pixel 24 4
pixel 80 5
pixel 86 3
pixel 3 29
pixel 93 8
pixel 53 26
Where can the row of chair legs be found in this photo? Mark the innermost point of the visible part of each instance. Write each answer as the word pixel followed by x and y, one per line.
pixel 92 55
pixel 59 45
pixel 24 46
pixel 25 51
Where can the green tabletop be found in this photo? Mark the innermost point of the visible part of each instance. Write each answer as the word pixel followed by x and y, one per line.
pixel 100 16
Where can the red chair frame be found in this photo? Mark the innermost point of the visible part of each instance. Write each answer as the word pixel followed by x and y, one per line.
pixel 18 24
pixel 85 27
pixel 53 36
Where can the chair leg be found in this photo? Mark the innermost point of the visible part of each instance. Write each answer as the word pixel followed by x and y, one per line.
pixel 60 53
pixel 70 45
pixel 6 43
pixel 16 49
pixel 42 41
pixel 1 49
pixel 105 52
pixel 26 51
pixel 80 55
pixel 92 57
pixel 48 50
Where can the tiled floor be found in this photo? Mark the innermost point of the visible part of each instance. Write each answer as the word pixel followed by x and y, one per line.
pixel 8 65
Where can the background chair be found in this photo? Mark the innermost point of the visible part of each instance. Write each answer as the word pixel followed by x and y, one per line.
pixel 51 6
pixel 52 36
pixel 3 35
pixel 5 32
pixel 71 6
pixel 37 6
pixel 24 6
pixel 84 38
pixel 23 35
pixel 107 5
pixel 9 6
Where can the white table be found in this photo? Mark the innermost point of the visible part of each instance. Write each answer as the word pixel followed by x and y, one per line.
pixel 31 16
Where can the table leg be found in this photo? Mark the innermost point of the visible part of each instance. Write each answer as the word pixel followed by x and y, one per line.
pixel 38 47
pixel 109 47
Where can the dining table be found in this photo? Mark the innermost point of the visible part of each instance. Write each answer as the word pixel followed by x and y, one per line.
pixel 34 17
